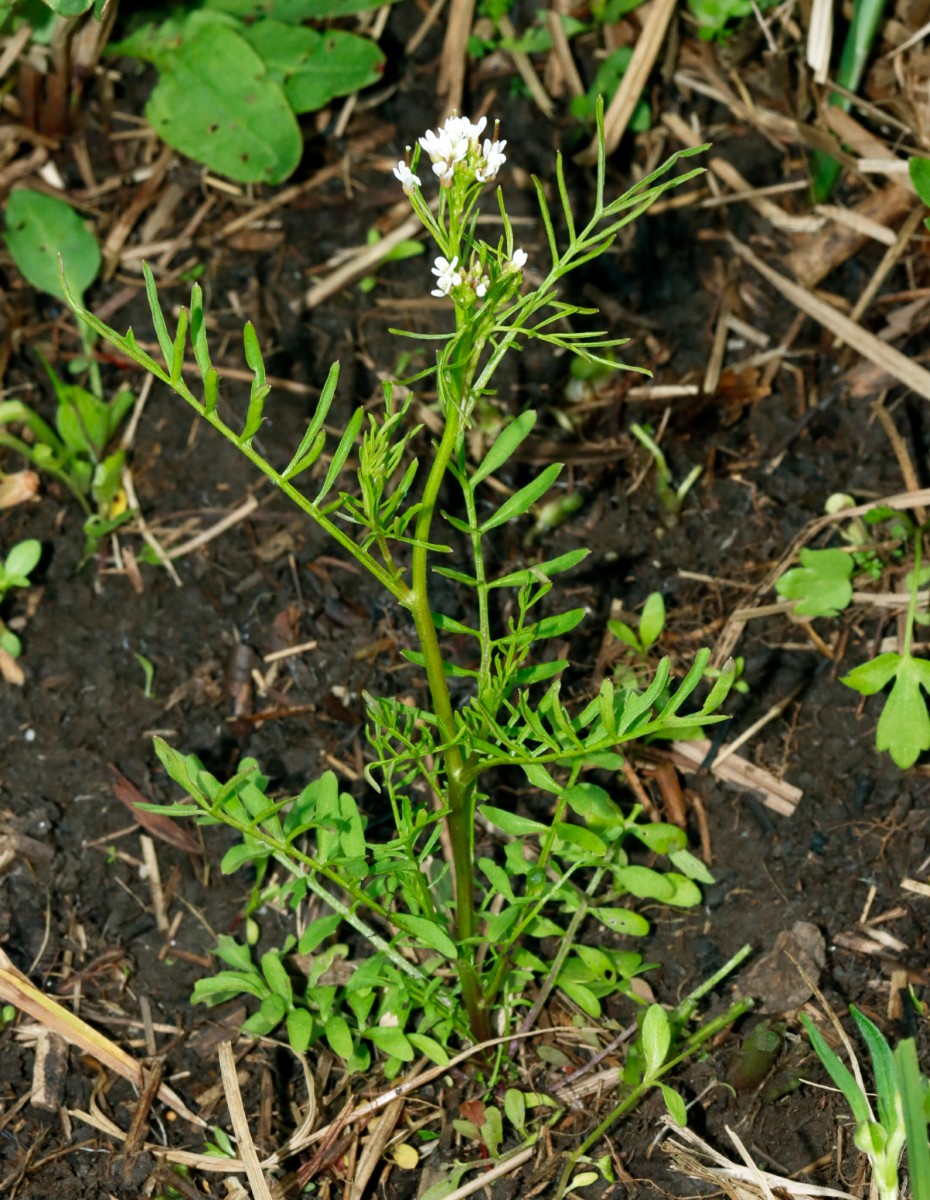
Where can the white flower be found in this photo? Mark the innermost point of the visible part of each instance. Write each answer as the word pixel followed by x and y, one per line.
pixel 518 262
pixel 406 176
pixel 481 287
pixel 494 159
pixel 446 276
pixel 451 144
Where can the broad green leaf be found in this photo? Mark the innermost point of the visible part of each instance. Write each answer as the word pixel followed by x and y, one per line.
pixel 644 882
pixel 523 500
pixel 216 102
pixel 515 1108
pixel 339 1036
pixel 870 677
pixel 317 932
pixel 39 228
pixel 591 802
pixel 234 954
pixel 504 445
pixel 511 823
pixel 299 1029
pixel 582 996
pixel 904 726
pixel 675 1105
pixel 622 920
pixel 276 977
pixel 227 983
pixel 690 866
pixel 539 672
pixel 428 933
pixel 656 1038
pixel 583 839
pixel 69 8
pixel 821 584
pixel 23 559
pixel 427 1045
pixel 314 68
pixel 652 620
pixel 392 1041
pixel 660 837
pixel 497 877
pixel 625 634
pixel 686 893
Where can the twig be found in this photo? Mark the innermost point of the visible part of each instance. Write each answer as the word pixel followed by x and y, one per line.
pixel 240 1124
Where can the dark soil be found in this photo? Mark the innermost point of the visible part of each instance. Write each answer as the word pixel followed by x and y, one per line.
pixel 76 914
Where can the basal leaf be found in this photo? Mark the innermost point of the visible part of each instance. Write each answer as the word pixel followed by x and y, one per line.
pixel 39 228
pixel 870 677
pixel 216 102
pixel 656 1038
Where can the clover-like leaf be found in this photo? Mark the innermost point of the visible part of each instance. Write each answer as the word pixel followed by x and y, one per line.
pixel 904 726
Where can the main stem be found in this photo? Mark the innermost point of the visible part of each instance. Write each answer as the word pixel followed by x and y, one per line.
pixel 460 792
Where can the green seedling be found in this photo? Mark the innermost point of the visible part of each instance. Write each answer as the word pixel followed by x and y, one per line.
pixel 904 726
pixel 445 958
pixel 234 77
pixel 663 1043
pixel 15 570
pixel 671 498
pixel 902 1106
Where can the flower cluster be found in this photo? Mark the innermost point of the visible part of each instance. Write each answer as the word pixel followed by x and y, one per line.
pixel 450 275
pixel 456 150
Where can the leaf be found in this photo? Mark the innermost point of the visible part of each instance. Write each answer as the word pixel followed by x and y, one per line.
pixel 675 1105
pixel 582 996
pixel 504 445
pixel 276 977
pixel 314 68
pixel 644 883
pixel 839 1073
pixel 554 566
pixel 660 837
pixel 39 228
pixel 315 431
pixel 23 559
pixel 622 920
pixel 821 584
pixel 511 823
pixel 656 1038
pixel 919 171
pixel 521 501
pixel 433 1050
pixel 883 1068
pixel 299 1029
pixel 498 878
pixel 652 620
pixel 904 726
pixel 870 677
pixel 558 625
pixel 346 442
pixel 157 824
pixel 392 1041
pixel 216 102
pixel 339 1036
pixel 428 933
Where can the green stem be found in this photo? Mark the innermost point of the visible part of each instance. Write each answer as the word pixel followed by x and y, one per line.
pixel 460 793
pixel 914 589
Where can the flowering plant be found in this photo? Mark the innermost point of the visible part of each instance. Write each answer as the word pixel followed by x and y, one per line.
pixel 457 947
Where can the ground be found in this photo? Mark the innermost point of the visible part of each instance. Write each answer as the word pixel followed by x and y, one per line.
pixel 76 904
